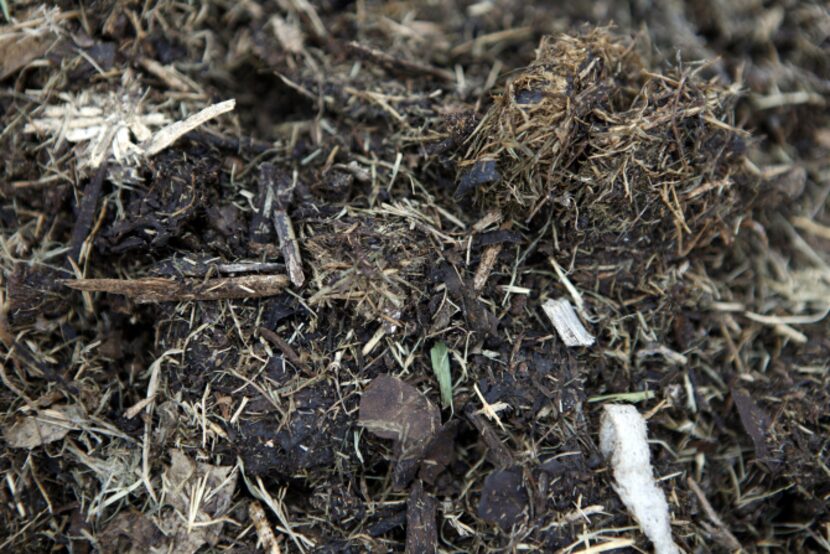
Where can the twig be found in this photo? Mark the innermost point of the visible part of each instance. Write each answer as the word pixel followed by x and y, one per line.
pixel 724 534
pixel 158 289
pixel 282 222
pixel 86 213
pixel 278 341
pixel 397 65
pixel 263 528
pixel 170 134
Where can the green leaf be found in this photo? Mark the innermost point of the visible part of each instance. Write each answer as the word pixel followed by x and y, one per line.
pixel 441 366
pixel 5 8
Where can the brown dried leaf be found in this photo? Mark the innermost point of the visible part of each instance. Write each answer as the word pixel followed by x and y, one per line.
pixel 207 487
pixel 755 421
pixel 27 40
pixel 48 426
pixel 130 532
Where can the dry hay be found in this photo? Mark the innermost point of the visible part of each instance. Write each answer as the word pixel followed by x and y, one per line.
pixel 633 169
pixel 373 260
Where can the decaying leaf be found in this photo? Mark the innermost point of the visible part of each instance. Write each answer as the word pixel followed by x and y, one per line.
pixel 200 494
pixel 24 42
pixel 48 426
pixel 392 409
pixel 755 421
pixel 130 532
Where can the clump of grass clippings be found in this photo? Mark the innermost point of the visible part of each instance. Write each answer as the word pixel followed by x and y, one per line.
pixel 367 258
pixel 633 168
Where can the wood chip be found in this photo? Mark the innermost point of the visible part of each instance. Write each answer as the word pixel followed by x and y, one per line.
pixel 566 323
pixel 278 186
pixel 503 498
pixel 755 420
pixel 393 409
pixel 421 530
pixel 267 539
pixel 485 266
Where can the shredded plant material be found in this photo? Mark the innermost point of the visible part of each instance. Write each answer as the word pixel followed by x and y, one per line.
pixel 340 277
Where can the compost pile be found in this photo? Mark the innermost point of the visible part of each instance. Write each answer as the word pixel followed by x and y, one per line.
pixel 345 277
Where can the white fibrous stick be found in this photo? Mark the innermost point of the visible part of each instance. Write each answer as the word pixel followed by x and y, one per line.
pixel 623 441
pixel 566 323
pixel 170 134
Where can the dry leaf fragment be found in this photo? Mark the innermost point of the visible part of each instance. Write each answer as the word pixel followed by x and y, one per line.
pixel 200 495
pixel 48 426
pixel 130 532
pixel 18 47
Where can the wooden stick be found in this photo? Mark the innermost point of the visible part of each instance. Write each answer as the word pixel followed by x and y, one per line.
pixel 398 65
pixel 158 289
pixel 283 191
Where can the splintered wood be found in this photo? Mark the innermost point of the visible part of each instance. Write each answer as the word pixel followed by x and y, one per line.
pixel 567 324
pixel 170 134
pixel 158 289
pixel 108 122
pixel 282 222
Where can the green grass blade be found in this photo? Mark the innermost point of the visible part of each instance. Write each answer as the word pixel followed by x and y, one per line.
pixel 441 366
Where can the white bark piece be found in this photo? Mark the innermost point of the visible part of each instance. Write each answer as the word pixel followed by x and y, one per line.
pixel 623 441
pixel 566 323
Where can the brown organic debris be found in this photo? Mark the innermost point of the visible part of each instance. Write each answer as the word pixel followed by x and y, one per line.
pixel 573 215
pixel 635 168
pixel 27 40
pixel 393 409
pixel 421 529
pixel 47 426
pixel 159 289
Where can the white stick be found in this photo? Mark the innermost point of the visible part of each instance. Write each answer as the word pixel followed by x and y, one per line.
pixel 566 323
pixel 170 134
